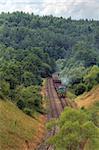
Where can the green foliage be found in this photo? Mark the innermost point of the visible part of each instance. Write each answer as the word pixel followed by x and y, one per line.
pixel 94 113
pixel 97 38
pixel 80 89
pixel 82 52
pixel 74 129
pixel 28 111
pixel 92 77
pixel 4 88
pixel 21 104
pixel 24 68
pixel 30 45
pixel 70 95
pixel 80 79
pixel 2 96
pixel 29 98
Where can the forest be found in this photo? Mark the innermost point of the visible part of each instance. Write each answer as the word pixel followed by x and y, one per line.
pixel 30 48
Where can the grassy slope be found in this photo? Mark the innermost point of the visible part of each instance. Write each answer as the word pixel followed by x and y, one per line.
pixel 17 130
pixel 87 99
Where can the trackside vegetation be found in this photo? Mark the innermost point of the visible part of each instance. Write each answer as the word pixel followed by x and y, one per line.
pixel 75 129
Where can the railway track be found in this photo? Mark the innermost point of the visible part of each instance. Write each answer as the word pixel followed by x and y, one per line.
pixel 63 102
pixel 57 105
pixel 56 99
pixel 55 110
pixel 51 96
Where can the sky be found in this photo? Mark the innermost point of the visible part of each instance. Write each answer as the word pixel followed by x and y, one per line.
pixel 77 9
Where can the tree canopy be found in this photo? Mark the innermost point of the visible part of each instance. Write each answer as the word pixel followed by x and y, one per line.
pixel 30 45
pixel 74 130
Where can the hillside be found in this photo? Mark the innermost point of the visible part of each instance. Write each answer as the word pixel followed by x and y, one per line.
pixel 17 130
pixel 29 47
pixel 87 99
pixel 32 48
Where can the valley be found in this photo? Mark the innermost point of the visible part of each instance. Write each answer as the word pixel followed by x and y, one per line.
pixel 37 111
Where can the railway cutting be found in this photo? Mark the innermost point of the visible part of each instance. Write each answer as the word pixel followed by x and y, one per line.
pixel 56 94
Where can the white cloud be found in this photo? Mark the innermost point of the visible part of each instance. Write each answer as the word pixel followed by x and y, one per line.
pixel 74 8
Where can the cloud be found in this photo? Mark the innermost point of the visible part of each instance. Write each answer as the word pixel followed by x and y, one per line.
pixel 77 9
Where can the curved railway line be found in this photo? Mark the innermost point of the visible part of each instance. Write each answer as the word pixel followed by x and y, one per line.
pixel 57 105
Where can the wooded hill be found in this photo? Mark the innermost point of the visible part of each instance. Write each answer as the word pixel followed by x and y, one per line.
pixel 29 47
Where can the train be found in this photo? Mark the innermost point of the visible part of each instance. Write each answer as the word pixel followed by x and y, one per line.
pixel 59 87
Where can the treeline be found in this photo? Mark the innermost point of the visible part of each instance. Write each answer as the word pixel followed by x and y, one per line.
pixel 29 47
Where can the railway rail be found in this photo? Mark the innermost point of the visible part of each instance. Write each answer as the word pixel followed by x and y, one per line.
pixel 57 105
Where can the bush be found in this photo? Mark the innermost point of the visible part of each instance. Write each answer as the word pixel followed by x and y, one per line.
pixel 80 89
pixel 92 77
pixel 29 97
pixel 4 87
pixel 82 108
pixel 97 78
pixel 28 111
pixel 70 95
pixel 2 96
pixel 89 86
pixel 21 104
pixel 74 127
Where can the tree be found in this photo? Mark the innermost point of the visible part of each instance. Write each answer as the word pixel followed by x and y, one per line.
pixel 28 78
pixel 30 45
pixel 94 113
pixel 29 98
pixel 97 38
pixel 74 130
pixel 80 89
pixel 21 104
pixel 91 78
pixel 4 87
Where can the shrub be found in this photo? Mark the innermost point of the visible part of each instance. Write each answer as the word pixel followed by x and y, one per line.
pixel 97 78
pixel 28 111
pixel 2 96
pixel 4 87
pixel 89 86
pixel 70 95
pixel 82 108
pixel 21 104
pixel 92 77
pixel 74 127
pixel 80 89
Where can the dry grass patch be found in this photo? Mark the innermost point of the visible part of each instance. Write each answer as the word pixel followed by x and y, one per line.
pixel 87 99
pixel 17 130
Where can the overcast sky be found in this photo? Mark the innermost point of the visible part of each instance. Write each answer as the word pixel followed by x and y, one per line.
pixel 75 8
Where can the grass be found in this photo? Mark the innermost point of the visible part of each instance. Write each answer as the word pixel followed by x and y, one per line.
pixel 92 146
pixel 88 100
pixel 70 95
pixel 16 128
